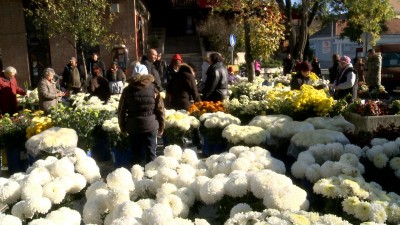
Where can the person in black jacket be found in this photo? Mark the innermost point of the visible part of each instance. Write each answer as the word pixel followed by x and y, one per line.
pixel 72 78
pixel 116 79
pixel 334 70
pixel 95 61
pixel 99 85
pixel 141 114
pixel 216 85
pixel 301 77
pixel 148 61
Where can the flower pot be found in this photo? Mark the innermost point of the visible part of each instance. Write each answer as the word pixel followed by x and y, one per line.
pixel 213 148
pixel 100 151
pixel 371 123
pixel 14 162
pixel 122 157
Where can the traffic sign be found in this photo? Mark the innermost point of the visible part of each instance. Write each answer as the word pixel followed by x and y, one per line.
pixel 232 40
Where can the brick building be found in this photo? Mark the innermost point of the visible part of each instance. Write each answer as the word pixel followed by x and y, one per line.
pixel 21 47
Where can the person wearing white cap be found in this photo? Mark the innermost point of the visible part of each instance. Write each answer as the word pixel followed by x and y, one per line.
pixel 346 83
pixel 141 114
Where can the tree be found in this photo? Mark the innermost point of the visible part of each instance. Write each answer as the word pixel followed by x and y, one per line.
pixel 262 25
pixel 360 15
pixel 80 22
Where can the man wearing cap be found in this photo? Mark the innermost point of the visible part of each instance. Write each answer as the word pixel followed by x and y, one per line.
pixel 141 114
pixel 346 82
pixel 73 78
pixel 148 60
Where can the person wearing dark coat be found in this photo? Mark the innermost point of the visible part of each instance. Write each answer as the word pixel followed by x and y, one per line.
pixel 287 64
pixel 8 91
pixel 148 61
pixel 172 68
pixel 116 79
pixel 182 89
pixel 141 114
pixel 334 70
pixel 99 85
pixel 316 67
pixel 301 77
pixel 95 61
pixel 73 78
pixel 216 85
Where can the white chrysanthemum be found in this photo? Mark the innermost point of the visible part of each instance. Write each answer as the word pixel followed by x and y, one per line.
pixel 31 190
pixel 326 188
pixel 189 157
pixel 95 186
pixel 173 151
pixel 244 218
pixel 39 175
pixel 329 169
pixel 62 167
pixel 242 164
pixel 267 179
pixel 289 197
pixel 79 182
pixel 212 191
pixel 116 196
pixel 349 158
pixel 10 192
pixel 89 169
pixel 237 185
pixel 378 213
pixel 65 216
pixel 18 177
pixel 298 169
pixel 240 208
pixel 92 214
pixel 9 220
pixel 19 210
pixel 198 184
pixel 395 163
pixel 120 178
pixel 306 157
pixel 38 205
pixel 125 220
pixel 41 221
pixel 167 162
pixel 166 189
pixel 146 203
pixel 174 202
pixel 187 195
pixel 273 164
pixel 378 141
pixel 157 215
pixel 337 123
pixel 363 211
pixel 201 222
pixel 127 209
pixel 313 172
pixel 55 191
pixel 165 175
pixel 356 150
pixel 380 160
pixel 143 188
pixel 137 172
pixel 321 136
pixel 185 177
pixel 349 204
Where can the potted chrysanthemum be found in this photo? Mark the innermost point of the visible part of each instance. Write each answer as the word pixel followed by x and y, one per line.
pixel 211 126
pixel 12 139
pixel 118 143
pixel 177 127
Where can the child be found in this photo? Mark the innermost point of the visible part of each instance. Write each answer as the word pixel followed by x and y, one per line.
pixel 231 77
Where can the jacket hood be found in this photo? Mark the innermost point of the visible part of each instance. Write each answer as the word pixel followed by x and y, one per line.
pixel 141 80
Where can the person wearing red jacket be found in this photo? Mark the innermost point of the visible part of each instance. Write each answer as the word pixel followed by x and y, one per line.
pixel 8 91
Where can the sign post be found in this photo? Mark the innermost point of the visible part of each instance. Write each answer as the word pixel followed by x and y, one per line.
pixel 232 42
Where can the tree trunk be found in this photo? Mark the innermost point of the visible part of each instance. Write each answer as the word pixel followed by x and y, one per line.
pixel 248 56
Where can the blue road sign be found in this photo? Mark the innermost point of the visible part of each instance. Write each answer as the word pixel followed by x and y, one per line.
pixel 232 40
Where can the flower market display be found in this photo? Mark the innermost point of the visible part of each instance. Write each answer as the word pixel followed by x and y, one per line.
pixel 269 155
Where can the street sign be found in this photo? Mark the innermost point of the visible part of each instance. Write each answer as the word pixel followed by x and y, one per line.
pixel 232 40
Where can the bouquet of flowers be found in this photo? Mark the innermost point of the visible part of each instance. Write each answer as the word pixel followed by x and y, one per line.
pixel 30 100
pixel 199 108
pixel 212 125
pixel 116 139
pixel 13 129
pixel 178 125
pixel 38 124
